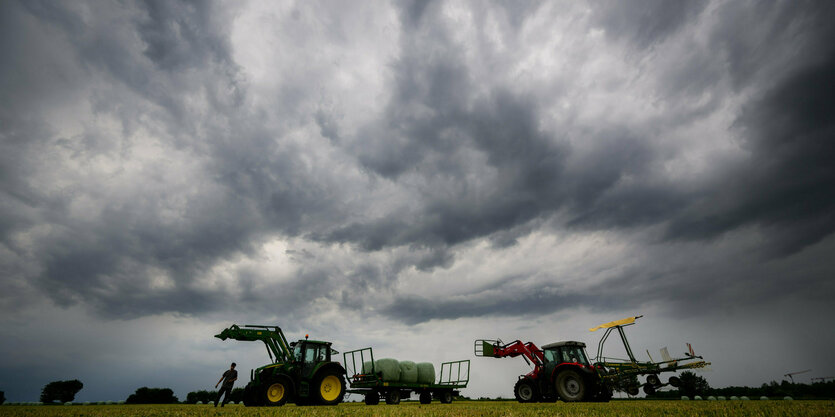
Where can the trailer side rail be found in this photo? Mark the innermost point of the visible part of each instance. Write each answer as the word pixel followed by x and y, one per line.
pixel 355 366
pixel 455 373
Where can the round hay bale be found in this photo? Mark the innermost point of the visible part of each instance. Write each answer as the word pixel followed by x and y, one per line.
pixel 68 403
pixel 408 372
pixel 763 398
pixel 199 402
pixel 426 373
pixel 734 398
pixel 787 398
pixel 721 398
pixel 744 398
pixel 388 369
pixel 367 368
pixel 698 398
pixel 711 398
pixel 685 398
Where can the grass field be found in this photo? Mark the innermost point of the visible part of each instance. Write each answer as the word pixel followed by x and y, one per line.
pixel 462 408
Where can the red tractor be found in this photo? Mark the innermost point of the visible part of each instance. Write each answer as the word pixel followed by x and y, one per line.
pixel 563 371
pixel 560 371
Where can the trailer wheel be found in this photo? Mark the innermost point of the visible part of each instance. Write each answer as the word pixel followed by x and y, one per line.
pixel 674 381
pixel 525 391
pixel 570 386
pixel 649 389
pixel 632 390
pixel 445 397
pixel 276 392
pixel 425 398
pixel 652 379
pixel 603 396
pixel 372 398
pixel 329 387
pixel 393 397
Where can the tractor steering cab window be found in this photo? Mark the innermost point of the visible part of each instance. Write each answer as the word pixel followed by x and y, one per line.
pixel 550 355
pixel 311 354
pixel 574 354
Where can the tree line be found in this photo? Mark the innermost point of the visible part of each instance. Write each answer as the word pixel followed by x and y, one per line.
pixel 693 385
pixel 60 392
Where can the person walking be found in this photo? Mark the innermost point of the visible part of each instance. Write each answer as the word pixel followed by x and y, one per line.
pixel 229 377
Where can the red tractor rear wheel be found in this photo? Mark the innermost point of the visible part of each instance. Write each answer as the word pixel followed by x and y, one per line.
pixel 570 386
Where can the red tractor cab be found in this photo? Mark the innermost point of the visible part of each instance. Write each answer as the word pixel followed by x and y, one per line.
pixel 560 371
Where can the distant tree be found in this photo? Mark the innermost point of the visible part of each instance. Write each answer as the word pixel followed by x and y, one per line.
pixel 2 397
pixel 692 384
pixel 237 395
pixel 61 391
pixel 147 395
pixel 202 396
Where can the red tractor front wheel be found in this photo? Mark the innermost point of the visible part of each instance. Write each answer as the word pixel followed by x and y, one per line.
pixel 525 391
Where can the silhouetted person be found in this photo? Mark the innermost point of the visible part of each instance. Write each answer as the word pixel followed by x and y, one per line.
pixel 228 379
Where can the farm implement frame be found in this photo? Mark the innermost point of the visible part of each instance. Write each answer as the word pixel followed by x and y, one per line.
pixel 623 373
pixel 453 376
pixel 563 371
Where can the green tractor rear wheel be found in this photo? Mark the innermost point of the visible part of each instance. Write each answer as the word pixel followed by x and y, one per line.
pixel 329 388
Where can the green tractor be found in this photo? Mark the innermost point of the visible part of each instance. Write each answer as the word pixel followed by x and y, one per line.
pixel 302 371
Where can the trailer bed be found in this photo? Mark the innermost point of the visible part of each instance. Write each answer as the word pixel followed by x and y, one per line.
pixel 452 376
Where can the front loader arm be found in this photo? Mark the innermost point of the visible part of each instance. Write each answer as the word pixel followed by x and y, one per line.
pixel 497 349
pixel 272 336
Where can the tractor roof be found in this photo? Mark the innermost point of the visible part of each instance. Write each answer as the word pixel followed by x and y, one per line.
pixel 320 342
pixel 565 343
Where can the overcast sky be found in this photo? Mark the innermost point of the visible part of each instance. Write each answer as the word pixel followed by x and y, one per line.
pixel 412 176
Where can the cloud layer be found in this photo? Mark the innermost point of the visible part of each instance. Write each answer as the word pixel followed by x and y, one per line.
pixel 417 161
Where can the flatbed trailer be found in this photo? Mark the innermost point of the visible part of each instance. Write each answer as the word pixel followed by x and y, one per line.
pixel 453 376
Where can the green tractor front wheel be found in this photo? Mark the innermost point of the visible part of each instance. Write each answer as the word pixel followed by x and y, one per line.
pixel 251 396
pixel 276 392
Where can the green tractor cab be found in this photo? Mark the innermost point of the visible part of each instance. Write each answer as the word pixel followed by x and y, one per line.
pixel 303 371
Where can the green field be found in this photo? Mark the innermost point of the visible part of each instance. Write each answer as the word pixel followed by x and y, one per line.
pixel 462 408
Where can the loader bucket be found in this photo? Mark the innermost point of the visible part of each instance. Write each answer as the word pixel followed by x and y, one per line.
pixel 485 347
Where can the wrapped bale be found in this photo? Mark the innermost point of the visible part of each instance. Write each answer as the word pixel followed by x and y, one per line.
pixel 408 372
pixel 426 373
pixel 367 368
pixel 388 369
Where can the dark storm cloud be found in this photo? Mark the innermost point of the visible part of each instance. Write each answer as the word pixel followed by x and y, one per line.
pixel 645 22
pixel 145 65
pixel 430 120
pixel 783 188
pixel 468 156
pixel 789 130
